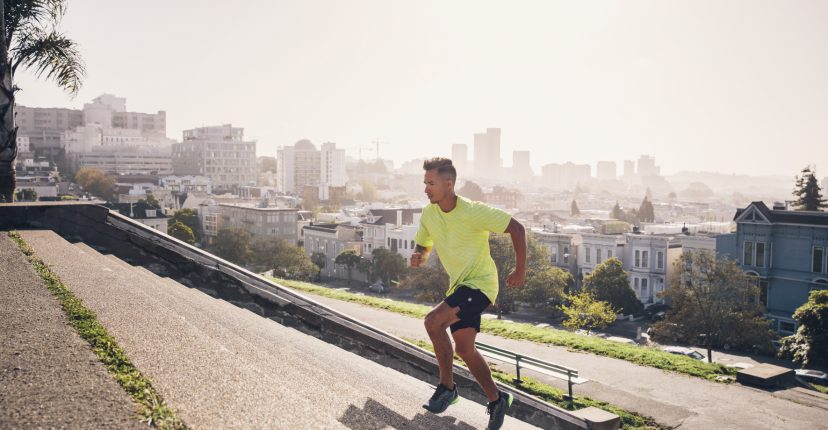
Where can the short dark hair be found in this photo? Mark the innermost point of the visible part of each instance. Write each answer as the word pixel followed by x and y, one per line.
pixel 443 167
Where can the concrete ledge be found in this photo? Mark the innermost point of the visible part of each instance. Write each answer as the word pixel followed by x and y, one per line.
pixel 766 376
pixel 166 256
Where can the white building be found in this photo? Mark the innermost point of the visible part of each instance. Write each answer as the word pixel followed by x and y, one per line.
pixel 127 160
pixel 565 176
pixel 561 247
pixel 186 184
pixel 332 169
pixel 379 223
pixel 331 240
pixel 595 248
pixel 261 223
pixel 219 153
pixel 301 166
pixel 23 144
pixel 649 262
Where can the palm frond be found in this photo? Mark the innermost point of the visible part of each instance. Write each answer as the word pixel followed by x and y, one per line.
pixel 40 12
pixel 51 55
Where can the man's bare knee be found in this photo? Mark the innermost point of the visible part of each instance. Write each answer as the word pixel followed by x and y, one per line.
pixel 432 324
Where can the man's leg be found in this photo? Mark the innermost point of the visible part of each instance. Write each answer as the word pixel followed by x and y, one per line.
pixel 464 344
pixel 436 323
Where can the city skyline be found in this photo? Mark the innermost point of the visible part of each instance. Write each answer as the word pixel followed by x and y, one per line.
pixel 694 85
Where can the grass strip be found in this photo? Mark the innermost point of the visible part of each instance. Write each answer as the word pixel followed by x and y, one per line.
pixel 821 388
pixel 645 356
pixel 152 408
pixel 557 397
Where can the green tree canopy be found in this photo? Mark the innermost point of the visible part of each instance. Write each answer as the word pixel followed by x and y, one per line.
pixel 96 182
pixel 715 300
pixel 610 283
pixel 573 209
pixel 388 265
pixel 233 244
pixel 807 192
pixel 809 345
pixel 646 212
pixel 189 218
pixel 320 260
pixel 348 258
pixel 181 232
pixel 617 212
pixel 471 191
pixel 429 283
pixel 584 312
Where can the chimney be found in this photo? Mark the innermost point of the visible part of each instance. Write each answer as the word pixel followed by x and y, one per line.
pixel 780 206
pixel 399 218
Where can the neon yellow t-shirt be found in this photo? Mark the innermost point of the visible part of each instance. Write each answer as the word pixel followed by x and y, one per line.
pixel 461 239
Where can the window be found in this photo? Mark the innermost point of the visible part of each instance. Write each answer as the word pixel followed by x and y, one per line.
pixel 763 292
pixel 587 255
pixel 645 259
pixel 747 259
pixel 787 326
pixel 637 258
pixel 660 259
pixel 644 292
pixel 760 254
pixel 566 255
pixel 818 254
pixel 553 254
pixel 636 282
pixel 609 254
pixel 598 255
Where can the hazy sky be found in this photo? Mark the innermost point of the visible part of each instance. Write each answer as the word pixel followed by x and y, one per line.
pixel 728 86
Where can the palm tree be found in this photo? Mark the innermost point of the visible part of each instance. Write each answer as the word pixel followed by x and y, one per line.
pixel 29 38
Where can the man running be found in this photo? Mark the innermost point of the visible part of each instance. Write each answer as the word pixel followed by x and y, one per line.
pixel 458 228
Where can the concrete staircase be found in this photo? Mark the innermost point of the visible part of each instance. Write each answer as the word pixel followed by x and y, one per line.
pixel 221 366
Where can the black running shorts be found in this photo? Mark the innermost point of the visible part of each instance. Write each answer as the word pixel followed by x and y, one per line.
pixel 472 303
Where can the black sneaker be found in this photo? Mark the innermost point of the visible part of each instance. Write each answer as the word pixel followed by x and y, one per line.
pixel 442 399
pixel 497 411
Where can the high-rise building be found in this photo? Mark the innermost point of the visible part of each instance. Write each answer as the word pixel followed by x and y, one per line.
pixel 298 166
pixel 460 158
pixel 521 167
pixel 605 170
pixel 487 153
pixel 332 170
pixel 565 176
pixel 647 166
pixel 629 169
pixel 219 153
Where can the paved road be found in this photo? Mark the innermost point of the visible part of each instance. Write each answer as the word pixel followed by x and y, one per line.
pixel 49 377
pixel 672 399
pixel 221 366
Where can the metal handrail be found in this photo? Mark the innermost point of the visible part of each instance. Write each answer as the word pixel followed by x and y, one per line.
pixel 532 363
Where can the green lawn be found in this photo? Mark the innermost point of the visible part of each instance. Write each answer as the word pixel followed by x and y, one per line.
pixel 629 420
pixel 645 356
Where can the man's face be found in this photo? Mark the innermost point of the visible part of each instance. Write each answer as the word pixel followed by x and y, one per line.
pixel 437 188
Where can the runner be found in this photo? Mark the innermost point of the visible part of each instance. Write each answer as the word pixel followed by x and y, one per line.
pixel 458 228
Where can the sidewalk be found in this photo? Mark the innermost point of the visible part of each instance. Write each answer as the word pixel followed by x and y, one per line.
pixel 49 378
pixel 672 399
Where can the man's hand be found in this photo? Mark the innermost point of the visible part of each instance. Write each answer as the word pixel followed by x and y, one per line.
pixel 516 279
pixel 416 259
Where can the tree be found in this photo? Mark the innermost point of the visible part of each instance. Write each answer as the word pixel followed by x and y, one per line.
pixel 29 38
pixel 348 258
pixel 233 244
pixel 537 273
pixel 388 265
pixel 809 345
pixel 366 266
pixel 471 191
pixel 573 209
pixel 713 300
pixel 430 283
pixel 181 232
pixel 610 283
pixel 646 212
pixel 287 260
pixel 584 312
pixel 369 192
pixel 807 192
pixel 151 200
pixel 545 286
pixel 96 182
pixel 189 218
pixel 617 212
pixel 320 260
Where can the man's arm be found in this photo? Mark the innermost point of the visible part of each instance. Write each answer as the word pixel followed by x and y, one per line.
pixel 420 255
pixel 518 233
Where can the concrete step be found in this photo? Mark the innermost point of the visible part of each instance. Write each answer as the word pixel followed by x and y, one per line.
pixel 222 366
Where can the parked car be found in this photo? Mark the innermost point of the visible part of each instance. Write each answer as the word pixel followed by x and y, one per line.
pixel 656 312
pixel 680 350
pixel 378 287
pixel 770 348
pixel 811 375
